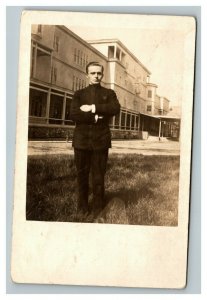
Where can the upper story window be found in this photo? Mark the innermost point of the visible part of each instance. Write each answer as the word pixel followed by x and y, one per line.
pixel 118 53
pixel 75 55
pixel 78 83
pixel 54 74
pixel 40 62
pixel 149 107
pixel 148 79
pixel 39 29
pixel 80 58
pixel 56 43
pixel 123 57
pixel 73 88
pixel 149 94
pixel 111 52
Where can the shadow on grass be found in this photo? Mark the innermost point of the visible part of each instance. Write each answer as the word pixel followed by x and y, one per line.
pixel 129 195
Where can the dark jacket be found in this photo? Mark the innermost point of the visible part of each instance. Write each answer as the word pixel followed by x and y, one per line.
pixel 88 134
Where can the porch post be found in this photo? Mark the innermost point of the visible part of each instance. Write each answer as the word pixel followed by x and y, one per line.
pixel 160 127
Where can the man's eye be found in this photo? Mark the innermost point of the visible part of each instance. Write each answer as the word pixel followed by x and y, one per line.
pixel 93 73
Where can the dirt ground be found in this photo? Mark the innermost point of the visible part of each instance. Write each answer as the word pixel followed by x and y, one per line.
pixel 152 146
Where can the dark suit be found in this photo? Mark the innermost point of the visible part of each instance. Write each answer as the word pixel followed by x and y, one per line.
pixel 92 139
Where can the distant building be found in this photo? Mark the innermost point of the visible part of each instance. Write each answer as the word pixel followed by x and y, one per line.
pixel 57 70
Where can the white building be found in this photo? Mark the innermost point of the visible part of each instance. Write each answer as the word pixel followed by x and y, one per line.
pixel 58 61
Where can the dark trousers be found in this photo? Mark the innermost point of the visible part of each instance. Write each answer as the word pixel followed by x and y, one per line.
pixel 94 161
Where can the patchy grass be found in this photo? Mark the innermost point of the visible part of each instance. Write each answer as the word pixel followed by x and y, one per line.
pixel 148 186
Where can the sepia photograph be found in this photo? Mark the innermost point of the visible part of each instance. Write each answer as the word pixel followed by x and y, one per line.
pixel 118 164
pixel 103 153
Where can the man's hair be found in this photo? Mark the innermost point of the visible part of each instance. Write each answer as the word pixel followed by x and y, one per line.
pixel 94 63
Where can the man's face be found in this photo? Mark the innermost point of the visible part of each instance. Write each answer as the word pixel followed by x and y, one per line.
pixel 95 74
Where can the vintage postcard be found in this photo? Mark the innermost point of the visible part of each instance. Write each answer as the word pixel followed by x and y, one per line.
pixel 103 149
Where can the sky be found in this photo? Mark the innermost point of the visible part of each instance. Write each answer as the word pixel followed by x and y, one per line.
pixel 157 41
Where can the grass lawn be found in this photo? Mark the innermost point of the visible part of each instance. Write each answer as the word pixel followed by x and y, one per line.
pixel 147 185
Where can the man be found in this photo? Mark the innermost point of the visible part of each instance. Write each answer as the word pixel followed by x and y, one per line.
pixel 91 109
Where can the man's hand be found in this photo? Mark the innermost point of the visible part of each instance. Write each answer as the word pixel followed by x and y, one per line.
pixel 98 117
pixel 86 107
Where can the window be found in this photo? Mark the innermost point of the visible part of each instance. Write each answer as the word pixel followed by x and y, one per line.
pixel 149 94
pixel 75 54
pixel 123 58
pixel 118 53
pixel 78 58
pixel 33 58
pixel 128 121
pixel 73 88
pixel 37 103
pixel 137 121
pixel 40 62
pixel 123 116
pixel 81 58
pixel 84 60
pixel 76 86
pixel 56 43
pixel 133 122
pixel 67 109
pixel 54 74
pixel 149 107
pixel 117 118
pixel 56 107
pixel 79 83
pixel 111 52
pixel 67 112
pixel 39 29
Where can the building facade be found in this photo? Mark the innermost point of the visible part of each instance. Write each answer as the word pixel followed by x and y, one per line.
pixel 58 61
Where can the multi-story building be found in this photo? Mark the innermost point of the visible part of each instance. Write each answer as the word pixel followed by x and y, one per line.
pixel 58 61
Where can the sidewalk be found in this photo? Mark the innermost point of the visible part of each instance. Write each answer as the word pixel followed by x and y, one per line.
pixel 151 146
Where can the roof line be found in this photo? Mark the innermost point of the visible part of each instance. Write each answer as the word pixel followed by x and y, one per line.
pixel 62 27
pixel 122 45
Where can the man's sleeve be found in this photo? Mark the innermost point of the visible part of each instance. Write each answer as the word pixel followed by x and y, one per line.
pixel 111 108
pixel 78 115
